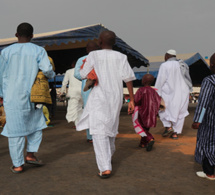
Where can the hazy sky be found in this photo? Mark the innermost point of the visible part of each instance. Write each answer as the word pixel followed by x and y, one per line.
pixel 149 26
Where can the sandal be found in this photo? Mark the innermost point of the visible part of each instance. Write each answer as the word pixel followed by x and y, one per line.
pixel 36 162
pixel 150 145
pixel 104 176
pixel 174 137
pixel 12 169
pixel 167 131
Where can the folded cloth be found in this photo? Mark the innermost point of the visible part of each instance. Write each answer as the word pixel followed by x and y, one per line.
pixel 137 127
pixel 92 75
pixel 40 90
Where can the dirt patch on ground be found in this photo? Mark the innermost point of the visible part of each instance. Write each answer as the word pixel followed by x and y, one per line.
pixel 70 166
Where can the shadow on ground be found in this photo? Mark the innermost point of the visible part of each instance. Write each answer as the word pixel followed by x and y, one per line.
pixel 70 166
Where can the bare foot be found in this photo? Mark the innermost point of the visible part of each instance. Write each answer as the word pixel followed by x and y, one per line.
pixel 174 135
pixel 105 174
pixel 18 168
pixel 108 172
pixel 30 156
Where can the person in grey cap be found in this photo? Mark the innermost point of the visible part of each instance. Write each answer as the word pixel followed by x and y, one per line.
pixel 173 84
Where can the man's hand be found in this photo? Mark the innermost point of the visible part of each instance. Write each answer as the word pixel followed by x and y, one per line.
pixel 130 107
pixel 62 95
pixel 195 125
pixel 131 95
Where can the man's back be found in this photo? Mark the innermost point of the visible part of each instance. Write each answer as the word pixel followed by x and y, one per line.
pixel 206 101
pixel 172 88
pixel 22 62
pixel 105 99
pixel 74 84
pixel 111 68
pixel 170 79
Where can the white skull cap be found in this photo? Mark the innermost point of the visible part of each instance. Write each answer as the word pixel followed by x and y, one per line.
pixel 171 52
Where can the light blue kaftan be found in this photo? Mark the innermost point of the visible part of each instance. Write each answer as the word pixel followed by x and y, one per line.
pixel 19 66
pixel 1 71
pixel 77 75
pixel 84 94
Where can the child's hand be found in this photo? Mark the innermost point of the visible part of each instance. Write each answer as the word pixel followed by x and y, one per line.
pixel 195 125
pixel 130 107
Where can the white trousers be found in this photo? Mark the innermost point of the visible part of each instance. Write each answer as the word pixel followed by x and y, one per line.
pixel 17 144
pixel 74 110
pixel 104 148
pixel 177 126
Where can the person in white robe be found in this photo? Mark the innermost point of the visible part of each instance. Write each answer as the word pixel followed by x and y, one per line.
pixel 174 89
pixel 91 46
pixel 75 102
pixel 101 114
pixel 19 67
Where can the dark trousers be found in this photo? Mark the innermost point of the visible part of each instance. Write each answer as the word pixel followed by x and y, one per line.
pixel 207 168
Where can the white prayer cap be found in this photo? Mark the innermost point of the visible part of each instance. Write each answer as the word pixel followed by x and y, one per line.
pixel 171 52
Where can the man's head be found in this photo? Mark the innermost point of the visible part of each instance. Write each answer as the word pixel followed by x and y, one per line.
pixel 107 39
pixel 169 54
pixel 148 79
pixel 212 63
pixel 24 31
pixel 92 46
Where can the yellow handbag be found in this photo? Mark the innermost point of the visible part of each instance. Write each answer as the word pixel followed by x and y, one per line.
pixel 40 90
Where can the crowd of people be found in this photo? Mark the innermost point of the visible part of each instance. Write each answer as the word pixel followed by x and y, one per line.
pixel 95 98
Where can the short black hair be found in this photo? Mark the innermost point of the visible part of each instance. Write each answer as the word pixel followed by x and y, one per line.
pixel 109 37
pixel 25 30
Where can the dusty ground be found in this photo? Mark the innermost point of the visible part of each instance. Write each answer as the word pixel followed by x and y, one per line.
pixel 71 169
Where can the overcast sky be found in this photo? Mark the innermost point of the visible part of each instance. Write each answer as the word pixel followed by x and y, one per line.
pixel 149 26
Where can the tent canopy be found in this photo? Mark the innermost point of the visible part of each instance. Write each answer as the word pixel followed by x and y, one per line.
pixel 68 45
pixel 198 68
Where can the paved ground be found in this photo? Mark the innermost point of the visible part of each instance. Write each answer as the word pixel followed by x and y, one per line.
pixel 71 169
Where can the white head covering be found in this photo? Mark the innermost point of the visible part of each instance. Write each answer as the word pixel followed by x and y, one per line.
pixel 171 52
